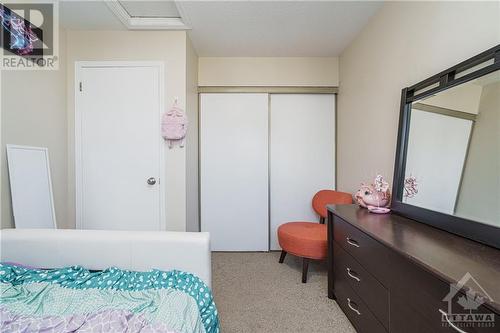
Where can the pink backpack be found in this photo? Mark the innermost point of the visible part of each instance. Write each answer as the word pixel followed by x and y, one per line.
pixel 174 126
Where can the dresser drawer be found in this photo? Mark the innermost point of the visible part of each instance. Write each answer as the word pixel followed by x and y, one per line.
pixel 355 309
pixel 374 256
pixel 418 300
pixel 414 317
pixel 373 293
pixel 482 325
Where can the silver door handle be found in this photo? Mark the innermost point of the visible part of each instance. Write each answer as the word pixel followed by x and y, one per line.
pixel 450 323
pixel 352 242
pixel 352 275
pixel 351 307
pixel 151 181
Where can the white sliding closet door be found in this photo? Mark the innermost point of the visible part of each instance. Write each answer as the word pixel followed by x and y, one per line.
pixel 302 150
pixel 234 171
pixel 436 160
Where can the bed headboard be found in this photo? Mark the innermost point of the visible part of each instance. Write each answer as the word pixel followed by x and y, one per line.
pixel 99 249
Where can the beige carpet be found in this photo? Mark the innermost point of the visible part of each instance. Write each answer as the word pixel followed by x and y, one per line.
pixel 254 293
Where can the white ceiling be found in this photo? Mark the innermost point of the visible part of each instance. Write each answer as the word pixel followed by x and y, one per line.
pixel 87 15
pixel 243 28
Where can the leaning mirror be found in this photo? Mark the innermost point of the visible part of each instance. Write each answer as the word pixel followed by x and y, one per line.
pixel 448 163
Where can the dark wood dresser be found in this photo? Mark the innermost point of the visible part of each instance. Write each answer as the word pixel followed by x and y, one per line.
pixel 392 274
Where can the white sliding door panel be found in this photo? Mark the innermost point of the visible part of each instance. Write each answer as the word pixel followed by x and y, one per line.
pixel 302 151
pixel 234 171
pixel 119 147
pixel 437 148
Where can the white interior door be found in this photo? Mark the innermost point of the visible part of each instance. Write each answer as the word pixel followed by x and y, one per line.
pixel 118 146
pixel 302 150
pixel 234 171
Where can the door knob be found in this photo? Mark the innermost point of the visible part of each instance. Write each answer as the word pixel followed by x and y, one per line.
pixel 151 181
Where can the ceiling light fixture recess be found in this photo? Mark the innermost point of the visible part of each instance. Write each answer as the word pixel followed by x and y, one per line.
pixel 145 23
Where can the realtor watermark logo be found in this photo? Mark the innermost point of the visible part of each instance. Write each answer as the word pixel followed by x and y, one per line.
pixel 464 307
pixel 29 35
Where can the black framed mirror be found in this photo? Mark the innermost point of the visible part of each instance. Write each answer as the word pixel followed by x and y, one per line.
pixel 447 168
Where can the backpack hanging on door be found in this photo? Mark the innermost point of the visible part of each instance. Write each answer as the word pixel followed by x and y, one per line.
pixel 174 126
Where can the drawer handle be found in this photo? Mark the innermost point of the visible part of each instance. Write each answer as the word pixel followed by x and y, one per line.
pixel 349 272
pixel 352 242
pixel 450 323
pixel 351 307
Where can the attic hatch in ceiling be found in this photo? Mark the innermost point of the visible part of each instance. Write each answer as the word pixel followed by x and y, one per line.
pixel 148 15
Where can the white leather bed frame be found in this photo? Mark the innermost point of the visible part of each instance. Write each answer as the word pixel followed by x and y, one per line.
pixel 99 249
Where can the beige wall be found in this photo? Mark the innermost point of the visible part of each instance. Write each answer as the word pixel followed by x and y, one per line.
pixel 479 196
pixel 168 47
pixel 192 202
pixel 221 71
pixel 33 112
pixel 404 43
pixel 38 109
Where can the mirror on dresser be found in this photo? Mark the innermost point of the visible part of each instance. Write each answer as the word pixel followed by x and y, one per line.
pixel 447 171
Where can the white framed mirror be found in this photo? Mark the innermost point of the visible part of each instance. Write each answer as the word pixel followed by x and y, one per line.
pixel 31 187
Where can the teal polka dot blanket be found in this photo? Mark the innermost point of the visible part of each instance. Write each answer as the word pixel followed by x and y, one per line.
pixel 73 299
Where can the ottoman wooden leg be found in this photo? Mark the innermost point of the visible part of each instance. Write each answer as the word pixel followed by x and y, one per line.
pixel 282 256
pixel 305 266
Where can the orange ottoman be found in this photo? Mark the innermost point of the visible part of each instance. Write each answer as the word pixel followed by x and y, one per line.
pixel 308 239
pixel 303 239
